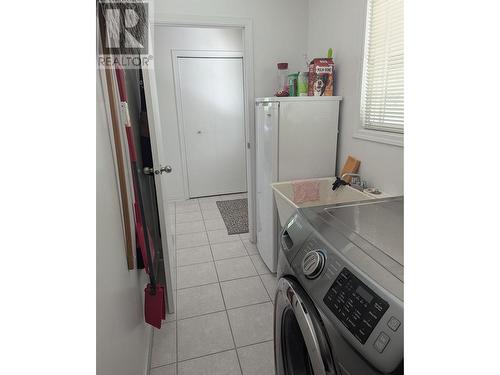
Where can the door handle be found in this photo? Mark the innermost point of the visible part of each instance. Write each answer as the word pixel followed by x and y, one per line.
pixel 149 171
pixel 198 132
pixel 166 168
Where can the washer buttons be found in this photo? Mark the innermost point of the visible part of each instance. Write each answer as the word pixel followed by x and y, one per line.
pixel 393 323
pixel 381 342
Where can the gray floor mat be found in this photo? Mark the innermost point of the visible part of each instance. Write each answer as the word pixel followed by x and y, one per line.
pixel 235 215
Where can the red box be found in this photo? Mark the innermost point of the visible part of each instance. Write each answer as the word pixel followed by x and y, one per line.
pixel 321 77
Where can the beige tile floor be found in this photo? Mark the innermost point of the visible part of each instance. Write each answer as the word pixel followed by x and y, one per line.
pixel 223 323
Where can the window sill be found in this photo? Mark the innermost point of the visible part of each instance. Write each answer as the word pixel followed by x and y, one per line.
pixel 395 139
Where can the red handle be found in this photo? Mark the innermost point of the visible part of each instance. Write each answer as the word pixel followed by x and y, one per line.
pixel 122 88
pixel 131 145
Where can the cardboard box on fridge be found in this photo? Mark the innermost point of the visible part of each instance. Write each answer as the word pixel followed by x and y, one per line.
pixel 321 77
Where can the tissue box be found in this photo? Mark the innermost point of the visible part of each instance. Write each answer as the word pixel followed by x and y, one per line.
pixel 321 77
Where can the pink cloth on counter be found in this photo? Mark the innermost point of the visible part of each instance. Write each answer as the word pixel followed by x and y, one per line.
pixel 305 191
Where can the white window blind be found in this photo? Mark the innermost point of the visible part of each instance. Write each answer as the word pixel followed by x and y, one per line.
pixel 382 95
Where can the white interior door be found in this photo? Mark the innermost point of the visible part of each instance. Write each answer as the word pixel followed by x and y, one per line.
pixel 160 164
pixel 212 102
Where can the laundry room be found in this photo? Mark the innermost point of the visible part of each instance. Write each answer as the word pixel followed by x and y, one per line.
pixel 263 170
pixel 248 133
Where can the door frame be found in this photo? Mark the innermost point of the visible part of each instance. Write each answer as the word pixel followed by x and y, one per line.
pixel 246 26
pixel 179 53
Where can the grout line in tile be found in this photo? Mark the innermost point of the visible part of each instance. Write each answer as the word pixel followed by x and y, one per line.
pixel 222 294
pixel 182 248
pixel 163 365
pixel 225 307
pixel 197 286
pixel 180 234
pixel 160 366
pixel 232 257
pixel 219 242
pixel 235 278
pixel 237 356
pixel 177 313
pixel 246 251
pixel 251 304
pixel 194 286
pixel 189 248
pixel 207 355
pixel 189 265
pixel 256 343
pixel 240 256
pixel 204 314
pixel 262 281
pixel 216 260
pixel 192 247
pixel 222 351
pixel 260 276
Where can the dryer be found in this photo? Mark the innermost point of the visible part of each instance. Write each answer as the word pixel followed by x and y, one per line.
pixel 339 301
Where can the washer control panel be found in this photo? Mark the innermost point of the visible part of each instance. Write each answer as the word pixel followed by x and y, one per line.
pixel 349 300
pixel 357 306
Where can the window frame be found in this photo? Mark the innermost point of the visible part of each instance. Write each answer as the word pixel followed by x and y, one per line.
pixel 381 134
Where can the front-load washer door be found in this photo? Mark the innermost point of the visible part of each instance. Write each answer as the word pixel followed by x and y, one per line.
pixel 300 343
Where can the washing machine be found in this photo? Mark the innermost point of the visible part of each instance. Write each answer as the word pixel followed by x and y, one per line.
pixel 339 300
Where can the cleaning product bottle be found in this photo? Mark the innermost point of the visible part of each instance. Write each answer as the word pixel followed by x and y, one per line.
pixel 282 80
pixel 302 83
pixel 292 84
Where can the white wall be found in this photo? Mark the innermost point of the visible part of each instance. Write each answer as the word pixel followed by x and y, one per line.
pixel 283 31
pixel 340 24
pixel 166 39
pixel 279 33
pixel 122 336
pixel 279 28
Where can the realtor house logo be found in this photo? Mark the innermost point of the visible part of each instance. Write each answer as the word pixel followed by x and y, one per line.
pixel 124 33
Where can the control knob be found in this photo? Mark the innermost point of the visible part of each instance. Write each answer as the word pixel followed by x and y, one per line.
pixel 313 263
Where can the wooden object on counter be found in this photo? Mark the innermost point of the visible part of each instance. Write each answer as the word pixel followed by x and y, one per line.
pixel 351 166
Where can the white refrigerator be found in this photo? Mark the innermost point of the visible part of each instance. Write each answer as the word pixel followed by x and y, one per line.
pixel 296 138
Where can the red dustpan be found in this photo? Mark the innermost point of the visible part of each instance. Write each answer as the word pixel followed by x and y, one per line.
pixel 154 305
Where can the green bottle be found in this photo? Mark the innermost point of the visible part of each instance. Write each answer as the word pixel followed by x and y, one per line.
pixel 292 83
pixel 302 83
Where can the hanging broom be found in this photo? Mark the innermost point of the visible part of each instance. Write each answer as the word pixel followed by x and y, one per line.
pixel 154 301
